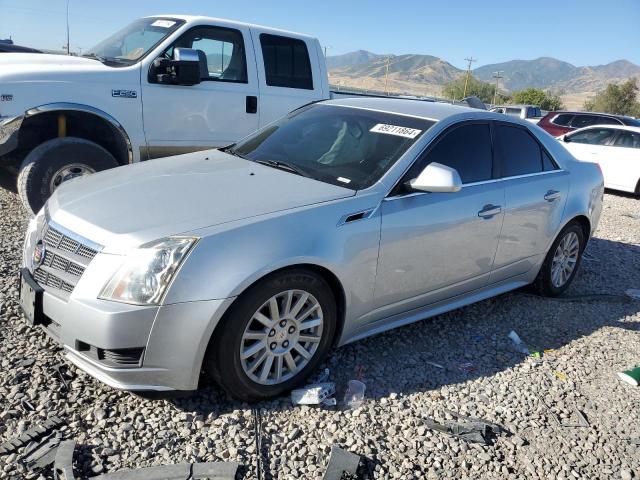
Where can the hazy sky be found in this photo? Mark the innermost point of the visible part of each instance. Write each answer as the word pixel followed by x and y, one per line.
pixel 583 32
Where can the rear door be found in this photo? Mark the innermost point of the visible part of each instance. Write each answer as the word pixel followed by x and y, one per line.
pixel 288 73
pixel 437 245
pixel 623 162
pixel 535 193
pixel 219 110
pixel 593 145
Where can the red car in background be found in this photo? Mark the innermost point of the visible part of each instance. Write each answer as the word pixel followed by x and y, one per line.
pixel 559 123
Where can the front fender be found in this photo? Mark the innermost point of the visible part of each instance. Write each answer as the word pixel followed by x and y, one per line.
pixel 226 262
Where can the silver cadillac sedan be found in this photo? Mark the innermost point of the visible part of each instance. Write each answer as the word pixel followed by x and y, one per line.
pixel 344 219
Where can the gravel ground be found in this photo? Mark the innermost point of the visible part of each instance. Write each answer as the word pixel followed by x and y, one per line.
pixel 591 339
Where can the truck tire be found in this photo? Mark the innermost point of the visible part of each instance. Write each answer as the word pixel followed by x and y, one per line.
pixel 56 161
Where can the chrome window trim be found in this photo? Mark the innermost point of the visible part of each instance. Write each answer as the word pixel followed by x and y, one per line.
pixel 474 184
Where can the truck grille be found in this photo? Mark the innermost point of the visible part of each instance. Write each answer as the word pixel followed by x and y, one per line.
pixel 64 262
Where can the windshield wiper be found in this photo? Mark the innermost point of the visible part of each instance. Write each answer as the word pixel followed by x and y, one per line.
pixel 231 151
pixel 93 56
pixel 288 167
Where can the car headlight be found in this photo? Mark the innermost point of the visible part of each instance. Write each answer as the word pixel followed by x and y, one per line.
pixel 147 271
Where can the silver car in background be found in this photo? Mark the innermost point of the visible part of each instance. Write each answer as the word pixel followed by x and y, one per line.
pixel 344 219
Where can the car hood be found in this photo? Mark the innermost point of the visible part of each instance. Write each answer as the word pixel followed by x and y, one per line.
pixel 134 204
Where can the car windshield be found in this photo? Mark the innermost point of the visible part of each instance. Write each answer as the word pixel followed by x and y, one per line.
pixel 349 147
pixel 130 44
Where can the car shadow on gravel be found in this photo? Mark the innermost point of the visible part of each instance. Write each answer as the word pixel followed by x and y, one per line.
pixel 472 342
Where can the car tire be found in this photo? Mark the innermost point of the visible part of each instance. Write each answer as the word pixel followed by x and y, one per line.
pixel 223 358
pixel 549 282
pixel 54 161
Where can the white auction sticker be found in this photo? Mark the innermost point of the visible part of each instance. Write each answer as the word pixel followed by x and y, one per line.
pixel 396 130
pixel 163 23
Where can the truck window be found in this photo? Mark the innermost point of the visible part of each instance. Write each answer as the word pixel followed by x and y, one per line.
pixel 286 62
pixel 513 112
pixel 221 48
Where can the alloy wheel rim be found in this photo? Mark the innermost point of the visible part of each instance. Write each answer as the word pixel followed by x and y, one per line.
pixel 565 259
pixel 68 172
pixel 282 337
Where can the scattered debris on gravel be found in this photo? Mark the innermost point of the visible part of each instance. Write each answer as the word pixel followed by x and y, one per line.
pixel 462 362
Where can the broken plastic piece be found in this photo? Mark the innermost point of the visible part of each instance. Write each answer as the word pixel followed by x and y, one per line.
pixel 471 429
pixel 330 402
pixel 26 362
pixel 34 433
pixel 313 394
pixel 632 377
pixel 63 463
pixel 354 396
pixel 44 454
pixel 62 371
pixel 26 405
pixel 466 367
pixel 341 462
pixel 180 471
pixel 518 343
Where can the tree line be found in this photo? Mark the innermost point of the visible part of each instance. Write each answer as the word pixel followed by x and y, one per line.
pixel 619 99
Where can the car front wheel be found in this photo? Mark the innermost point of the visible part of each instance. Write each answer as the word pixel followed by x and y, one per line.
pixel 562 261
pixel 274 336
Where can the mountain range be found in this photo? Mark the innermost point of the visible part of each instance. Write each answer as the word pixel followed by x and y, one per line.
pixel 426 74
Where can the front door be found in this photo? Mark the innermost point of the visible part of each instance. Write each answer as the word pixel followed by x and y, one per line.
pixel 623 161
pixel 218 111
pixel 437 245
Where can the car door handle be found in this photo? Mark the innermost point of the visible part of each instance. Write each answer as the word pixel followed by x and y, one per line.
pixel 252 104
pixel 552 195
pixel 489 211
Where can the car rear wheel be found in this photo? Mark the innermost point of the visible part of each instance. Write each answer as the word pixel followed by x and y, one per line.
pixel 562 262
pixel 56 161
pixel 274 336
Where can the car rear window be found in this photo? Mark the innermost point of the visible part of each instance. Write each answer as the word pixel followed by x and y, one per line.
pixel 520 154
pixel 286 62
pixel 580 121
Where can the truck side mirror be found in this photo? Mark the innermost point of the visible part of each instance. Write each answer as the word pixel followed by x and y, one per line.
pixel 183 69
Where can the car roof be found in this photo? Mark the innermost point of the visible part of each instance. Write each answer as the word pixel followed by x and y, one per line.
pixel 515 105
pixel 191 18
pixel 609 126
pixel 402 106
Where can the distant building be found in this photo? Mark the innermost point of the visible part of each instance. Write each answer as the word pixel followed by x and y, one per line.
pixel 6 41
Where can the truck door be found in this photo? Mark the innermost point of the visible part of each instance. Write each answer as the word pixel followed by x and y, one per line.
pixel 218 111
pixel 290 73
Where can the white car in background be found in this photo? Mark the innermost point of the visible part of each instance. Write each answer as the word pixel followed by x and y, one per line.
pixel 616 148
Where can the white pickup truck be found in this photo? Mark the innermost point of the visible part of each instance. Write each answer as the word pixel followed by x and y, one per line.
pixel 163 85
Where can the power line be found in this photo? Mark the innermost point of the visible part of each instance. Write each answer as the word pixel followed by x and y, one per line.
pixel 466 82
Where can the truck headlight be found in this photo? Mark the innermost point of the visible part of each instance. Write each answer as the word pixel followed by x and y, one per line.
pixel 147 271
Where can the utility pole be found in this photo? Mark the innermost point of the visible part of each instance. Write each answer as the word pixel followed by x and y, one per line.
pixel 466 82
pixel 68 46
pixel 386 77
pixel 325 50
pixel 497 75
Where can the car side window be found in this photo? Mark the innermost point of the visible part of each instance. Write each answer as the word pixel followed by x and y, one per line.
pixel 286 62
pixel 519 152
pixel 581 121
pixel 593 136
pixel 466 148
pixel 222 50
pixel 564 119
pixel 628 140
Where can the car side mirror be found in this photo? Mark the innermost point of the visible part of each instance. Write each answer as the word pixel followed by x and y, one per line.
pixel 436 178
pixel 183 69
pixel 566 139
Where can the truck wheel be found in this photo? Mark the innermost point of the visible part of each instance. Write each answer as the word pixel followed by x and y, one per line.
pixel 274 336
pixel 55 161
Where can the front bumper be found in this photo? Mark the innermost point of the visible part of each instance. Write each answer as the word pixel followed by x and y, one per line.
pixel 9 130
pixel 126 346
pixel 172 339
